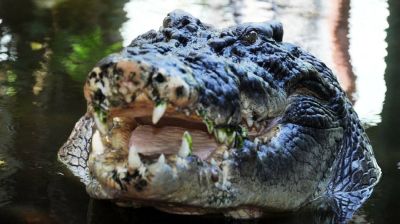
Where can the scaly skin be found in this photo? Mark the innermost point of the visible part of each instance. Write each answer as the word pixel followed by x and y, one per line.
pixel 309 143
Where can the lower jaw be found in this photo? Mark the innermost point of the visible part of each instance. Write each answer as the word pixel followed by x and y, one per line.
pixel 163 190
pixel 153 179
pixel 173 185
pixel 152 176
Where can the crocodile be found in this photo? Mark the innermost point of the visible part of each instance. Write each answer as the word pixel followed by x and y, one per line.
pixel 191 119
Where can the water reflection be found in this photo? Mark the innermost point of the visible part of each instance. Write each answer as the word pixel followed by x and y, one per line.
pixel 4 41
pixel 339 22
pixel 48 93
pixel 7 83
pixel 368 49
pixel 7 50
pixel 42 72
pixel 105 212
pixel 89 48
pixel 8 163
pixel 47 4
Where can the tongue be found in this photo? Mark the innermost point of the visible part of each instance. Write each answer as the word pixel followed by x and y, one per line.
pixel 150 140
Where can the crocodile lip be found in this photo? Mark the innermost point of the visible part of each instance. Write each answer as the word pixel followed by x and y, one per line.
pixel 132 127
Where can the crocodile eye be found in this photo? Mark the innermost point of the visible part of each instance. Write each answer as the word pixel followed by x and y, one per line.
pixel 250 37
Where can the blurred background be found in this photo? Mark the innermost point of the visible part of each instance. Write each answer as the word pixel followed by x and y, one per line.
pixel 48 46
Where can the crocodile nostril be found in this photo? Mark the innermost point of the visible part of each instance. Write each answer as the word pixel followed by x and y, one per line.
pixel 159 78
pixel 179 91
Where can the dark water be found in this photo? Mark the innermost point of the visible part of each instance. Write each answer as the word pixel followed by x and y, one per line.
pixel 46 49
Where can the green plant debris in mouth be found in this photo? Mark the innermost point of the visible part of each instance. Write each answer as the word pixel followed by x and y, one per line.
pixel 101 114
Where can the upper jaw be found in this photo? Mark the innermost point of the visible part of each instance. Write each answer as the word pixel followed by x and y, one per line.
pixel 118 83
pixel 117 94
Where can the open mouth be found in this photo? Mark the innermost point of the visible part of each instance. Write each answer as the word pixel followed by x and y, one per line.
pixel 145 129
pixel 163 130
pixel 148 130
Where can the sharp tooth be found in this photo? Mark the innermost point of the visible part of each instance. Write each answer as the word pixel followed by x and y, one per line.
pixel 245 132
pixel 225 175
pixel 133 158
pixel 159 111
pixel 97 144
pixel 210 126
pixel 186 146
pixel 161 159
pixel 246 104
pixel 249 121
pixel 187 113
pixel 231 138
pixel 159 166
pixel 142 171
pixel 257 141
pixel 220 134
pixel 181 162
pixel 213 162
pixel 229 120
pixel 226 155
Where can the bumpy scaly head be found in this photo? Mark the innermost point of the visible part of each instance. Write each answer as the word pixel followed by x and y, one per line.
pixel 191 119
pixel 171 106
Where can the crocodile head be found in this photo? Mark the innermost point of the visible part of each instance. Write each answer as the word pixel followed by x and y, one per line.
pixel 195 120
